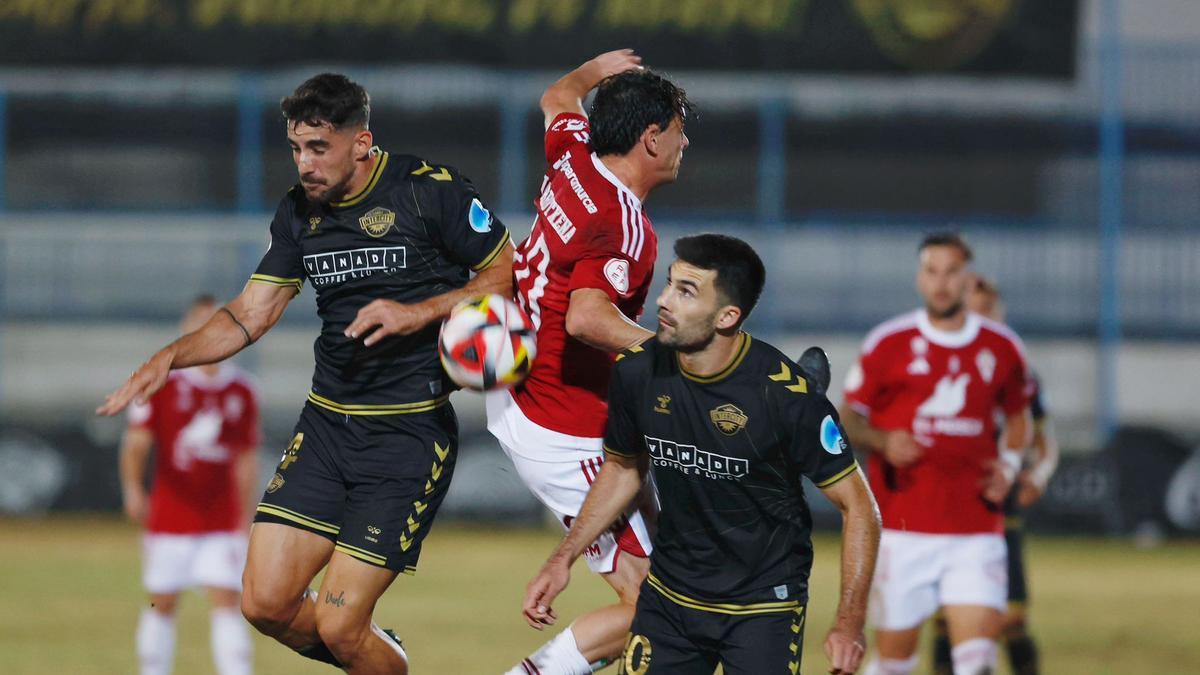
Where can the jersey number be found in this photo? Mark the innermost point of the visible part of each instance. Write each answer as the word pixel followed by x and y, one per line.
pixel 529 292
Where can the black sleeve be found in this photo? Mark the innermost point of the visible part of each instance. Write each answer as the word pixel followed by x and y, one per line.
pixel 819 444
pixel 471 233
pixel 282 264
pixel 621 435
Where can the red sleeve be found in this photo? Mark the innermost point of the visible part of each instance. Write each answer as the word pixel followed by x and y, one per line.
pixel 607 267
pixel 566 130
pixel 245 433
pixel 862 384
pixel 1017 388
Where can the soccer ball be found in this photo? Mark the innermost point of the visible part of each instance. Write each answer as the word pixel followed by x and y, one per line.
pixel 486 343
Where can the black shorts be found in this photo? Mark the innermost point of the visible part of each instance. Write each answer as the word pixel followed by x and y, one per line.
pixel 371 484
pixel 668 638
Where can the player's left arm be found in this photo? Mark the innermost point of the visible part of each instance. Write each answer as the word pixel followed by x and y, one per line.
pixel 846 642
pixel 594 320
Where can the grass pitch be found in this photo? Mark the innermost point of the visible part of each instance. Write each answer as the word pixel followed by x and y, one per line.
pixel 70 598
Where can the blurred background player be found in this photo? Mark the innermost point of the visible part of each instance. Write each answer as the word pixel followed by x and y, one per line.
pixel 389 243
pixel 727 426
pixel 203 429
pixel 922 399
pixel 583 275
pixel 984 298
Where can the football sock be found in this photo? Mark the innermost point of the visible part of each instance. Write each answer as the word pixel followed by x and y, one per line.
pixel 942 664
pixel 878 666
pixel 559 656
pixel 232 650
pixel 155 642
pixel 1022 651
pixel 976 656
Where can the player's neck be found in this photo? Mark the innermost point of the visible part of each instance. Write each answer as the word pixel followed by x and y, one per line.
pixel 362 174
pixel 625 168
pixel 949 324
pixel 715 357
pixel 210 371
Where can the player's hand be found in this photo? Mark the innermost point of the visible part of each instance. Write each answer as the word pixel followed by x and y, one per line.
pixel 382 318
pixel 135 505
pixel 1028 491
pixel 613 63
pixel 845 649
pixel 995 484
pixel 541 592
pixel 140 386
pixel 900 450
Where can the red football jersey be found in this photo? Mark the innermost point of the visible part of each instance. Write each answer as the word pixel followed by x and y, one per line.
pixel 200 424
pixel 590 232
pixel 944 387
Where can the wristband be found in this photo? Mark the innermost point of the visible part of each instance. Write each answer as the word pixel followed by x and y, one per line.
pixel 1040 475
pixel 1010 463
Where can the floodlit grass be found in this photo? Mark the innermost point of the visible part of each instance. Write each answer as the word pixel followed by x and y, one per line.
pixel 71 594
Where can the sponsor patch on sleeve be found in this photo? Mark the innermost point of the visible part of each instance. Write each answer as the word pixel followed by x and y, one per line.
pixel 479 218
pixel 831 436
pixel 616 271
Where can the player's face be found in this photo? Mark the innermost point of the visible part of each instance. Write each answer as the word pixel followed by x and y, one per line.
pixel 943 279
pixel 688 308
pixel 196 317
pixel 671 144
pixel 985 303
pixel 325 158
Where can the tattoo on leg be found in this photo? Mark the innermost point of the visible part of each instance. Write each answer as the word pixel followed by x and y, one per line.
pixel 339 601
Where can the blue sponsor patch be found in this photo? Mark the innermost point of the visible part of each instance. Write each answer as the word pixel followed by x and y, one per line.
pixel 831 436
pixel 479 218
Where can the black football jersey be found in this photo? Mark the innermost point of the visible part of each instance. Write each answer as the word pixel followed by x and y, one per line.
pixel 727 453
pixel 415 230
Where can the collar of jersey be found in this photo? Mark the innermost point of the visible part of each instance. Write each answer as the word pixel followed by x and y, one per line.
pixel 722 373
pixel 371 182
pixel 945 338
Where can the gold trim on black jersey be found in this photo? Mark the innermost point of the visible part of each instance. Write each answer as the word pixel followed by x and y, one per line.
pixel 361 554
pixel 366 409
pixel 371 182
pixel 721 608
pixel 724 372
pixel 491 257
pixel 838 476
pixel 277 281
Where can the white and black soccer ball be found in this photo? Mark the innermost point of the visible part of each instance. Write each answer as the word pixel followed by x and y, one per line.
pixel 487 343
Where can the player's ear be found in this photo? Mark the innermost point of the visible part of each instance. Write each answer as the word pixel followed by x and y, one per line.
pixel 728 317
pixel 650 139
pixel 364 140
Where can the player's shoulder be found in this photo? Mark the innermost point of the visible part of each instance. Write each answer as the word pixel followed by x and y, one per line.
pixel 769 367
pixel 895 328
pixel 998 332
pixel 421 172
pixel 640 357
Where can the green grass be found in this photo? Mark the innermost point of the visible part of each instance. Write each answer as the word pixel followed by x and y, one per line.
pixel 70 597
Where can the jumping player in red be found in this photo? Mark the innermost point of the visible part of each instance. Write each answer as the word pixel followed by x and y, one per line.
pixel 922 398
pixel 203 428
pixel 583 276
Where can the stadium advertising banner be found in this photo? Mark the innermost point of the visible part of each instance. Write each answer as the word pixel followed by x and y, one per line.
pixel 1012 37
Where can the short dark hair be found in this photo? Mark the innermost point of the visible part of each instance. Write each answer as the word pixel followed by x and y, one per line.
pixel 328 98
pixel 627 103
pixel 740 272
pixel 952 239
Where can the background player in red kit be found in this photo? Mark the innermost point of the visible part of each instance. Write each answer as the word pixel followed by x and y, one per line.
pixel 583 275
pixel 203 427
pixel 922 398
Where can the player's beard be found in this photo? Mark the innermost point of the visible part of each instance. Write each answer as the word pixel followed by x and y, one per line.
pixel 691 338
pixel 951 310
pixel 331 193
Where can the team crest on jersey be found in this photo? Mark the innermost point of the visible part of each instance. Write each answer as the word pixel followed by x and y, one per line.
pixel 377 221
pixel 728 418
pixel 275 484
pixel 985 361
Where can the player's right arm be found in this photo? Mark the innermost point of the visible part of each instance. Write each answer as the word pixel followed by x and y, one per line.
pixel 594 320
pixel 897 446
pixel 135 454
pixel 566 95
pixel 233 328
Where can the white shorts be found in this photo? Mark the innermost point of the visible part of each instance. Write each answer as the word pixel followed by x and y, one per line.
pixel 175 562
pixel 917 573
pixel 559 469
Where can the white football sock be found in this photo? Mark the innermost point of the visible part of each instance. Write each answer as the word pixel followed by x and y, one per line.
pixel 559 656
pixel 977 656
pixel 878 666
pixel 155 642
pixel 232 650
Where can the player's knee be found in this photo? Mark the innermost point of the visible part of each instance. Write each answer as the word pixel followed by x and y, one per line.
pixel 270 614
pixel 164 604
